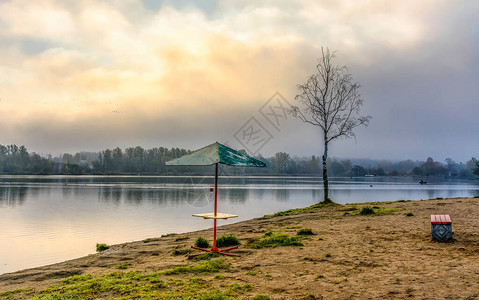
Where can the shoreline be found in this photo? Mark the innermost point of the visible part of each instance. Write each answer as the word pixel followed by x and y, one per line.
pixel 385 255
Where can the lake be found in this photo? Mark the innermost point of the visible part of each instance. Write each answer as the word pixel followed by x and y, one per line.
pixel 49 219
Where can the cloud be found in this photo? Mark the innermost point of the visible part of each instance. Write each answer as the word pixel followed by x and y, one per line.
pixel 109 73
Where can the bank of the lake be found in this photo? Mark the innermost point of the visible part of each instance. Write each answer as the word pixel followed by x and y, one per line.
pixel 389 254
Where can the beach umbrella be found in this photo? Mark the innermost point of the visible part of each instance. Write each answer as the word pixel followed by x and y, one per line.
pixel 216 154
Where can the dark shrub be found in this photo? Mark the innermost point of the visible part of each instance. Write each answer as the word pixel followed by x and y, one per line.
pixel 367 211
pixel 227 241
pixel 201 242
pixel 305 231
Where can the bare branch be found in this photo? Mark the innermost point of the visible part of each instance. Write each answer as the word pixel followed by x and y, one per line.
pixel 330 99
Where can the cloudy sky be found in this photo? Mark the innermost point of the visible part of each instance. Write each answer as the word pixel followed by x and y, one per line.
pixel 90 75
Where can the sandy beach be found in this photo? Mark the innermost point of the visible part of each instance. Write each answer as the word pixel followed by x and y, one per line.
pixel 387 255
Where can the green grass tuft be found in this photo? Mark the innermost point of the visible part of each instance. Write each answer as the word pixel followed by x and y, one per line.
pixel 227 241
pixel 367 210
pixel 305 231
pixel 101 247
pixel 211 266
pixel 123 266
pixel 319 276
pixel 201 242
pixel 300 210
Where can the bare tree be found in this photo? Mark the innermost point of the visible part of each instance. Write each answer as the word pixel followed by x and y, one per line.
pixel 330 99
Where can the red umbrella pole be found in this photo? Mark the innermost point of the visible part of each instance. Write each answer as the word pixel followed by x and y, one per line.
pixel 215 249
pixel 216 207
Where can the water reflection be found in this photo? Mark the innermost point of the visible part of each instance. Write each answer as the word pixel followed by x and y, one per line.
pixel 317 195
pixel 282 195
pixel 13 196
pixel 195 190
pixel 54 218
pixel 197 197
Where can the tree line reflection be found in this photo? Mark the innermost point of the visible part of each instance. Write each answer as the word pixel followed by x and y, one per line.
pixel 13 196
pixel 199 197
pixel 198 194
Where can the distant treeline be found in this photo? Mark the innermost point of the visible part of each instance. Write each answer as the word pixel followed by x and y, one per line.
pixel 137 160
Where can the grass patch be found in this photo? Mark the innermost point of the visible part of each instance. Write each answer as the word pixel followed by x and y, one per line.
pixel 9 294
pixel 301 210
pixel 381 211
pixel 182 252
pixel 207 256
pixel 227 241
pixel 319 276
pixel 76 278
pixel 201 242
pixel 211 266
pixel 101 247
pixel 236 287
pixel 123 266
pixel 274 240
pixel 132 285
pixel 379 202
pixel 305 231
pixel 294 227
pixel 375 210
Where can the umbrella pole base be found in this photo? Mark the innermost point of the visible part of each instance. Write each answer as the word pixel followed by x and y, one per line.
pixel 214 249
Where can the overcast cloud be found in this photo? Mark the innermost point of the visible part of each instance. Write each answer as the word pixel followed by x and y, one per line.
pixel 90 75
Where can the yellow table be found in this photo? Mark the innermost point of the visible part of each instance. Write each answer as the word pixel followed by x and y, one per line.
pixel 222 216
pixel 214 216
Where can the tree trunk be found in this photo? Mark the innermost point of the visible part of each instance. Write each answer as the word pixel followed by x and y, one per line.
pixel 325 174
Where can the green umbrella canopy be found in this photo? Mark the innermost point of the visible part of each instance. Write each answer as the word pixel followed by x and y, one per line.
pixel 216 153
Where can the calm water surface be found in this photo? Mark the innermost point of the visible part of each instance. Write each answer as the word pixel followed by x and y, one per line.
pixel 48 219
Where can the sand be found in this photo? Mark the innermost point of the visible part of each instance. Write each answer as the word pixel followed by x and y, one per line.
pixel 350 256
